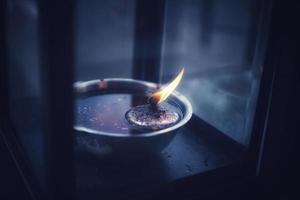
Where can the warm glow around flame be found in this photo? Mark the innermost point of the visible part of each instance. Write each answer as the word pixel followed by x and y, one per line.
pixel 163 93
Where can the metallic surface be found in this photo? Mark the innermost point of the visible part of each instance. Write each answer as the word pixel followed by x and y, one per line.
pixel 104 143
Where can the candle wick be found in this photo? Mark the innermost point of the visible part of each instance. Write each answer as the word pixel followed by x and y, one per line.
pixel 151 101
pixel 153 107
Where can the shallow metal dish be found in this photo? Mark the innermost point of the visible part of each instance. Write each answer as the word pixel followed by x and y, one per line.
pixel 105 143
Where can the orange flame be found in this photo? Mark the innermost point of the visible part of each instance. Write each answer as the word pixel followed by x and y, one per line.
pixel 163 93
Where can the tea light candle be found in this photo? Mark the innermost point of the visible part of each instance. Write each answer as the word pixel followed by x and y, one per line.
pixel 153 117
pixel 156 115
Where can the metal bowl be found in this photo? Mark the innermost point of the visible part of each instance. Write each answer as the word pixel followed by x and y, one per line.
pixel 107 143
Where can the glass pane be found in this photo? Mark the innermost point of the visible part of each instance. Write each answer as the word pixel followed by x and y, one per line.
pixel 215 42
pixel 104 39
pixel 24 81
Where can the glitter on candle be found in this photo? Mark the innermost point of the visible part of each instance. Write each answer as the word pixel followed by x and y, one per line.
pixel 153 117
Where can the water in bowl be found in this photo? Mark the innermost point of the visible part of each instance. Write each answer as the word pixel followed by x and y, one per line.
pixel 106 112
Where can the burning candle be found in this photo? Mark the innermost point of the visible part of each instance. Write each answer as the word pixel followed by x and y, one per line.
pixel 165 92
pixel 156 114
pixel 119 116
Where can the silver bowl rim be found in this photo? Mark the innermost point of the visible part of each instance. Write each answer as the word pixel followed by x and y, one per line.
pixel 80 86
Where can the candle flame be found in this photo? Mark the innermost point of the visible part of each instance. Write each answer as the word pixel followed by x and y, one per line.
pixel 163 93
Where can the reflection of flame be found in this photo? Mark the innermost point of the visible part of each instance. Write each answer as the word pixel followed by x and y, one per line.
pixel 163 93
